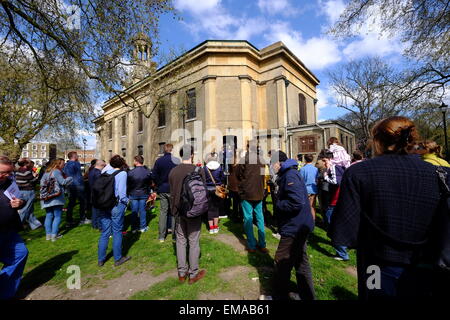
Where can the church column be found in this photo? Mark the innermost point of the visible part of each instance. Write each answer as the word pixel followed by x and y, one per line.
pixel 282 114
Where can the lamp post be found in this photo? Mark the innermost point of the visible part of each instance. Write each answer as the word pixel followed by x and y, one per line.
pixel 84 151
pixel 443 109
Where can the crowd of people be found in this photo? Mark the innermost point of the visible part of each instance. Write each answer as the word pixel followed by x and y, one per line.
pixel 390 208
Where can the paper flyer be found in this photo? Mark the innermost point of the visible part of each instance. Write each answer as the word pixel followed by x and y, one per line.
pixel 12 191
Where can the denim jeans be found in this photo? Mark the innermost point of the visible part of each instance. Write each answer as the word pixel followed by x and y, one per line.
pixel 52 219
pixel 341 251
pixel 138 212
pixel 111 223
pixel 248 207
pixel 27 212
pixel 96 218
pixel 13 256
pixel 76 192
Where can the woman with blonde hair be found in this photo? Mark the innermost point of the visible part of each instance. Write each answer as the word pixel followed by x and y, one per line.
pixel 386 210
pixel 53 183
pixel 433 154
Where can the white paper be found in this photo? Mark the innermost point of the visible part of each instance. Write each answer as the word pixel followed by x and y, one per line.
pixel 12 191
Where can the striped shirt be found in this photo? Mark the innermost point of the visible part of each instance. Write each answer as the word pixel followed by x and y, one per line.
pixel 25 179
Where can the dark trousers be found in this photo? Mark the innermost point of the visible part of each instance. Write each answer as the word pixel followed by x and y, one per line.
pixel 291 253
pixel 76 193
pixel 233 204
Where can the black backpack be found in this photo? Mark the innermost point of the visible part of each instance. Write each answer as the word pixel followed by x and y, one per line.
pixel 194 195
pixel 103 192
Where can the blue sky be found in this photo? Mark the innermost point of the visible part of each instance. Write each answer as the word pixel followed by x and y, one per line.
pixel 300 24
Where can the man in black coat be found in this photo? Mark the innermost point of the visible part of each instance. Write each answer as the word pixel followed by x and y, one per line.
pixel 295 222
pixel 13 252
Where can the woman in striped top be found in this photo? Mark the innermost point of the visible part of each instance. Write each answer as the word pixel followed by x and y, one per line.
pixel 26 181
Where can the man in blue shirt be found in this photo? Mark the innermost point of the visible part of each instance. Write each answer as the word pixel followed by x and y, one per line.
pixel 112 220
pixel 310 175
pixel 76 189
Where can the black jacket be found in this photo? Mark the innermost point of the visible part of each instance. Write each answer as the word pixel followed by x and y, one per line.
pixel 293 208
pixel 393 195
pixel 138 182
pixel 9 217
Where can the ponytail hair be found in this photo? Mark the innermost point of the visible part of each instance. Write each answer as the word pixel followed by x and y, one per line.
pixel 394 135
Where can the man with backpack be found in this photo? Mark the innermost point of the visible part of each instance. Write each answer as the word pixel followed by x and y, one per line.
pixel 109 195
pixel 189 202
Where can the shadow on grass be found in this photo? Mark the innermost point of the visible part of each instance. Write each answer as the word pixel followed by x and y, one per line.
pixel 341 293
pixel 314 241
pixel 43 273
pixel 128 240
pixel 263 263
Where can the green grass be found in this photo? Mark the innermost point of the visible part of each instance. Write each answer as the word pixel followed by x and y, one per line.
pixel 48 261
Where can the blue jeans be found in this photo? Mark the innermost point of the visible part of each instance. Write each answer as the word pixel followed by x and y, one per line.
pixel 111 223
pixel 52 219
pixel 27 212
pixel 96 218
pixel 248 207
pixel 341 251
pixel 13 255
pixel 138 212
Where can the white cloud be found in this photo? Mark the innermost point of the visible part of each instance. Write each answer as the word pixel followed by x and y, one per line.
pixel 250 27
pixel 273 7
pixel 332 9
pixel 370 40
pixel 195 6
pixel 210 17
pixel 316 52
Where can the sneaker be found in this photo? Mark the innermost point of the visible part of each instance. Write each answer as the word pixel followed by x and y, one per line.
pixel 211 230
pixel 121 261
pixel 101 263
pixel 85 221
pixel 48 237
pixel 199 276
pixel 339 258
pixel 161 240
pixel 56 237
pixel 276 235
pixel 216 230
pixel 169 231
pixel 143 230
pixel 250 250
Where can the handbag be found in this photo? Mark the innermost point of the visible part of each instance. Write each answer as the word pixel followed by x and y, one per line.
pixel 50 189
pixel 220 191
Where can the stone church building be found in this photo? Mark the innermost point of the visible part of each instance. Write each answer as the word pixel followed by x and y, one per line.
pixel 219 91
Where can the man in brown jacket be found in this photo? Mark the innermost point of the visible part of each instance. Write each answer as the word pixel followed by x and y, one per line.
pixel 250 174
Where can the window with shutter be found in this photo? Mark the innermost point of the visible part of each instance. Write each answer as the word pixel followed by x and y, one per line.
pixel 307 144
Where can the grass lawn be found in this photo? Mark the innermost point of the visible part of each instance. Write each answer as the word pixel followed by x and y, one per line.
pixel 229 268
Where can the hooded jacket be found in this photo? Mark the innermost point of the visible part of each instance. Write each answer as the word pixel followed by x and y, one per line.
pixel 294 211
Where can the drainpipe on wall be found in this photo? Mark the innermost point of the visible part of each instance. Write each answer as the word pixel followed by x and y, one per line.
pixel 286 138
pixel 316 124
